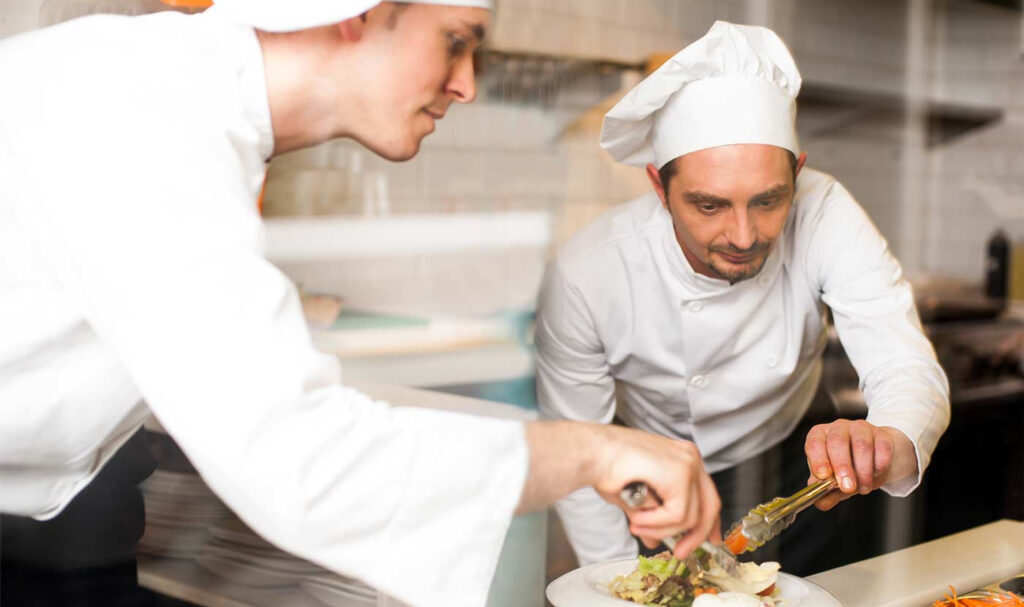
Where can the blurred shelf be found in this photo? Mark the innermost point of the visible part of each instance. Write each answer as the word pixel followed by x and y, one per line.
pixel 291 240
pixel 843 107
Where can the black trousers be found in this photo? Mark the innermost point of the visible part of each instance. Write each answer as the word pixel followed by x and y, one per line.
pixel 85 556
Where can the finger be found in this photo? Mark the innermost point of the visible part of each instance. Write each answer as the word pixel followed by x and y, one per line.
pixel 709 525
pixel 650 542
pixel 656 534
pixel 838 444
pixel 701 519
pixel 862 448
pixel 817 453
pixel 884 448
pixel 678 510
pixel 716 531
pixel 829 501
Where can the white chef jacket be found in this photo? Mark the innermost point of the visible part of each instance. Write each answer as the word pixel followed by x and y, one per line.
pixel 132 151
pixel 625 326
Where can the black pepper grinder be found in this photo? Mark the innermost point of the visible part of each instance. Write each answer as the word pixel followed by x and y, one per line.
pixel 997 265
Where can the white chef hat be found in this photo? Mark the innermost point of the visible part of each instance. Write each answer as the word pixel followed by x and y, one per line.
pixel 292 15
pixel 737 84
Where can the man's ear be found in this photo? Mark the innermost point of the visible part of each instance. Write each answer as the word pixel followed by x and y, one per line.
pixel 351 29
pixel 800 163
pixel 655 179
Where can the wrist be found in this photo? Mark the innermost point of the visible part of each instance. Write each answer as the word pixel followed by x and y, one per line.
pixel 572 452
pixel 904 457
pixel 596 452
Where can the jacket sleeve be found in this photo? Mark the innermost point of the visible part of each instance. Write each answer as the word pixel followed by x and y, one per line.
pixel 574 382
pixel 877 322
pixel 157 239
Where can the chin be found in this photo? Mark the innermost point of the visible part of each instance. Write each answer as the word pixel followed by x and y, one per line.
pixel 735 274
pixel 397 151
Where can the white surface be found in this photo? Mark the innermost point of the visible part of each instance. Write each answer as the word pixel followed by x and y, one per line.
pixel 438 335
pixel 303 239
pixel 487 363
pixel 588 587
pixel 922 574
pixel 411 397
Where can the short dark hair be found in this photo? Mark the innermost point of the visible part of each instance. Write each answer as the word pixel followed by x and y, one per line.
pixel 667 172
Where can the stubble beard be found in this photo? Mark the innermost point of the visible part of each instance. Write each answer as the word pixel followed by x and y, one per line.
pixel 735 274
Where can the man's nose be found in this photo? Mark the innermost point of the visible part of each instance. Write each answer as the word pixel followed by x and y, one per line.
pixel 742 233
pixel 462 84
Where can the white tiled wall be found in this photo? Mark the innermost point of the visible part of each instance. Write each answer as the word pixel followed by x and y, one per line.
pixel 497 156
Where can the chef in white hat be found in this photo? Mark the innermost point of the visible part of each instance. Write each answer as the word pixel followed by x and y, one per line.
pixel 698 311
pixel 132 151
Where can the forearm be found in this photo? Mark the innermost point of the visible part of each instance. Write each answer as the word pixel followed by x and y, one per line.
pixel 564 456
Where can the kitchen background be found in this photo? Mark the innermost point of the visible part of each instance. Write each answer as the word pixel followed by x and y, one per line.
pixel 917 106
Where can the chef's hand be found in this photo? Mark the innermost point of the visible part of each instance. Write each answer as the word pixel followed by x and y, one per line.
pixel 861 456
pixel 565 456
pixel 687 501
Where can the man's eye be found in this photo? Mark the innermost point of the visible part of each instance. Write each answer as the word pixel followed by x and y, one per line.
pixel 456 45
pixel 708 208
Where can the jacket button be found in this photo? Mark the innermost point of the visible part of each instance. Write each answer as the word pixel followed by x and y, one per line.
pixel 695 306
pixel 772 361
pixel 698 381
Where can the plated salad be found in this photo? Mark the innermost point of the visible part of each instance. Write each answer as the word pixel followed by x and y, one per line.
pixel 697 581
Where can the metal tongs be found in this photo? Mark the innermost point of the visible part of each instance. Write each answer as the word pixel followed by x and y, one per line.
pixel 635 494
pixel 768 520
pixel 761 524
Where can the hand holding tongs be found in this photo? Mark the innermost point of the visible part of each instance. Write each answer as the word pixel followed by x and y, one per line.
pixel 635 494
pixel 761 524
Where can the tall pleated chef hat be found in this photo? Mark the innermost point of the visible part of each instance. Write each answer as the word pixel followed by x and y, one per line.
pixel 737 84
pixel 292 15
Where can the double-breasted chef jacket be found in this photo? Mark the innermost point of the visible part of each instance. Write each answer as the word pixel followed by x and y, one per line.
pixel 626 328
pixel 132 151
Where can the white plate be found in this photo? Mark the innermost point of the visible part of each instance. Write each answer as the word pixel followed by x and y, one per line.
pixel 337 597
pixel 588 587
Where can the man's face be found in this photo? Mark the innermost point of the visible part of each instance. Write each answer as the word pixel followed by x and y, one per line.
pixel 418 60
pixel 728 206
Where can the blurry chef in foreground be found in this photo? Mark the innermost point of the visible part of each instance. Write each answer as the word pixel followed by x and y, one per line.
pixel 698 311
pixel 132 151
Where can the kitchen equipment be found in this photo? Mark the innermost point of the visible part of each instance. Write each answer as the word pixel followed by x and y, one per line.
pixel 767 520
